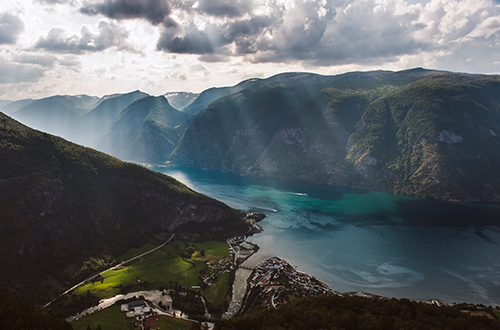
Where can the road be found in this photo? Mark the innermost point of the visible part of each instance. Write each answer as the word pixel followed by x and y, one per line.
pixel 111 268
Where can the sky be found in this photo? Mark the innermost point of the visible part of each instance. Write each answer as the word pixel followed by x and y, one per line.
pixel 100 47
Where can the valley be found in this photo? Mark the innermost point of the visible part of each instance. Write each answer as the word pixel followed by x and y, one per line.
pixel 423 133
pixel 372 182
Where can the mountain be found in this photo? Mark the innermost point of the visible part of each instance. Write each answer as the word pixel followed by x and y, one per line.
pixel 180 100
pixel 15 106
pixel 62 204
pixel 417 132
pixel 436 138
pixel 212 94
pixel 55 114
pixel 93 125
pixel 233 131
pixel 146 131
pixel 4 103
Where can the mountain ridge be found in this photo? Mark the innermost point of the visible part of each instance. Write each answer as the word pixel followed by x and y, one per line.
pixel 355 129
pixel 318 143
pixel 148 126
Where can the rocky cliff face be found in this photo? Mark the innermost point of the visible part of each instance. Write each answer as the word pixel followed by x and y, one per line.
pixel 435 138
pixel 62 203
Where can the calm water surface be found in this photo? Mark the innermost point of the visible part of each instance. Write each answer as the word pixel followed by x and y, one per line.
pixel 357 240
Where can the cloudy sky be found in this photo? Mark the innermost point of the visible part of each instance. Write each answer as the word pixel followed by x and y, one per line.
pixel 100 47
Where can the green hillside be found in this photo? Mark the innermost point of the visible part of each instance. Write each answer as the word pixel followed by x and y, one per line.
pixel 146 131
pixel 435 138
pixel 93 125
pixel 417 132
pixel 62 203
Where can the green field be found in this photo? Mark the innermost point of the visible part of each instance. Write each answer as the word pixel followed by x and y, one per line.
pixel 168 323
pixel 109 319
pixel 217 291
pixel 162 267
pixel 136 251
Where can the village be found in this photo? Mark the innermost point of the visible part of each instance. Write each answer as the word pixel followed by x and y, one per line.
pixel 279 281
pixel 275 279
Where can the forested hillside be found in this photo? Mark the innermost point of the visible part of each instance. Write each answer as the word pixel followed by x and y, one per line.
pixel 358 313
pixel 62 203
pixel 417 132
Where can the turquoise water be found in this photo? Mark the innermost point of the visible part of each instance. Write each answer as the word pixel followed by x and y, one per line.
pixel 357 240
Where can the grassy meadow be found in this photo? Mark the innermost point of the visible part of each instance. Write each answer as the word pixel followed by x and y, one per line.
pixel 168 323
pixel 109 319
pixel 162 269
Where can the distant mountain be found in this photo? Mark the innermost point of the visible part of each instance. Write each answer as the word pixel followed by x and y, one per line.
pixel 15 106
pixel 62 203
pixel 93 125
pixel 146 131
pixel 55 114
pixel 212 94
pixel 3 103
pixel 180 100
pixel 417 132
pixel 306 82
pixel 233 131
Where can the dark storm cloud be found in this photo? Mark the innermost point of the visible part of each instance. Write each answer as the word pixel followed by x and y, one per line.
pixel 109 35
pixel 16 73
pixel 225 8
pixel 154 11
pixel 10 28
pixel 42 60
pixel 214 39
pixel 195 42
pixel 245 34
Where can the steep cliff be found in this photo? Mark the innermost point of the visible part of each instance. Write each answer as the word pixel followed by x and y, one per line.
pixel 417 132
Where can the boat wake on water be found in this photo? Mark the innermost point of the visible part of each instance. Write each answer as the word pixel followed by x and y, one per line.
pixel 298 193
pixel 260 208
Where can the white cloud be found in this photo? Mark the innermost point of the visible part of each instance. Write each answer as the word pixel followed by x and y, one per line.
pixel 107 35
pixel 63 44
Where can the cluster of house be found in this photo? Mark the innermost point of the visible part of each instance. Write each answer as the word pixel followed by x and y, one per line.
pixel 275 276
pixel 216 269
pixel 239 248
pixel 138 309
pixel 269 270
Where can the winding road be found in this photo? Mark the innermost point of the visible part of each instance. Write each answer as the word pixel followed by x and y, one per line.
pixel 111 268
